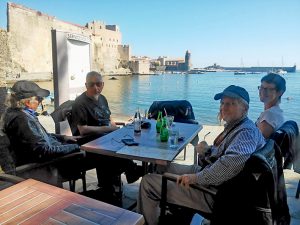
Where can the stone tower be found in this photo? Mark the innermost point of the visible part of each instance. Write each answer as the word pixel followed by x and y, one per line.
pixel 187 60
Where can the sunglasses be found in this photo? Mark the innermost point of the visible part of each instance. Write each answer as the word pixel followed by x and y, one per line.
pixel 39 99
pixel 92 84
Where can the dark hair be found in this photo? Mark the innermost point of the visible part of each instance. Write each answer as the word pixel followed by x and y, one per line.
pixel 275 79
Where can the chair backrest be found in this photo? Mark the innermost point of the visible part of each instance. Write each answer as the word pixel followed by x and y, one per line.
pixel 240 198
pixel 285 137
pixel 7 161
pixel 256 195
pixel 62 116
pixel 182 110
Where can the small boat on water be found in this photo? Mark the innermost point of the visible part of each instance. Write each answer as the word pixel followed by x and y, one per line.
pixel 113 78
pixel 280 72
pixel 240 73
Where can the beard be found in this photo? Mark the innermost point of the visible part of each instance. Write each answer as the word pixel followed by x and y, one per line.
pixel 96 96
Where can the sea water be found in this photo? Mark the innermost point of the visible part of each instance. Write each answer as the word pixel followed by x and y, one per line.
pixel 130 92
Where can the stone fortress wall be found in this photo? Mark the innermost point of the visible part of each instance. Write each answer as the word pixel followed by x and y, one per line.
pixel 27 46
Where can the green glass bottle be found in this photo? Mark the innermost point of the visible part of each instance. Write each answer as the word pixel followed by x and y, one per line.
pixel 158 121
pixel 164 132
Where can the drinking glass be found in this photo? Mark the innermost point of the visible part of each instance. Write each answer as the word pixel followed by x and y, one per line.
pixel 170 120
pixel 173 136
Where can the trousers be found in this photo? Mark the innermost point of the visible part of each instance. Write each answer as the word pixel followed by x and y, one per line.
pixel 150 194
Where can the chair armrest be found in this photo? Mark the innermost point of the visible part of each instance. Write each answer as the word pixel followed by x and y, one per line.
pixel 31 166
pixel 164 189
pixel 173 177
pixel 10 178
pixel 120 123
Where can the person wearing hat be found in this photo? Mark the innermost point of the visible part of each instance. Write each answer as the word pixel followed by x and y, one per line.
pixel 223 160
pixel 271 89
pixel 28 138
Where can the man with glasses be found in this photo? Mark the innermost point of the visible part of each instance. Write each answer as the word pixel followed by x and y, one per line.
pixel 29 140
pixel 91 118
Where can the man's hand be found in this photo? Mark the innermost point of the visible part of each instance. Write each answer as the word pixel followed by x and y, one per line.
pixel 202 147
pixel 186 180
pixel 70 139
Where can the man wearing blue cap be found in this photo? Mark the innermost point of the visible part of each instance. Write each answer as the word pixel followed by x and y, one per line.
pixel 220 162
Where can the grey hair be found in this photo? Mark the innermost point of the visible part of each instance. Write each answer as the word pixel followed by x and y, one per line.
pixel 13 102
pixel 93 74
pixel 244 103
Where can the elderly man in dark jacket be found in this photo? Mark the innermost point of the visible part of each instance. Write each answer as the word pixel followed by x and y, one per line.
pixel 29 140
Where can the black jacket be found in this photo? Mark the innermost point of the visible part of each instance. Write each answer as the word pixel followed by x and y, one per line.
pixel 29 141
pixel 285 137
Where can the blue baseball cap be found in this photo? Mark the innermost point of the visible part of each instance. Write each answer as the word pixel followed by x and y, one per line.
pixel 233 91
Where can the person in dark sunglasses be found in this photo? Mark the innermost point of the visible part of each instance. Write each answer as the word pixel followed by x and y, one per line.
pixel 91 118
pixel 90 112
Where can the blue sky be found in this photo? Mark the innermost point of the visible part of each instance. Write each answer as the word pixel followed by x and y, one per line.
pixel 226 32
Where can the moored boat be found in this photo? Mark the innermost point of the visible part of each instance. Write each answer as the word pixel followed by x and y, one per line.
pixel 239 73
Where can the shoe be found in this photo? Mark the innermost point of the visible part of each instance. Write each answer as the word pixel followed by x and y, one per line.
pixel 134 174
pixel 104 195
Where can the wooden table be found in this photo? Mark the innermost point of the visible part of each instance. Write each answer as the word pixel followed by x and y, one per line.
pixel 150 148
pixel 34 202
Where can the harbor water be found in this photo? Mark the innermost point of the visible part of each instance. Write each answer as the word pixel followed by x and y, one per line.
pixel 128 93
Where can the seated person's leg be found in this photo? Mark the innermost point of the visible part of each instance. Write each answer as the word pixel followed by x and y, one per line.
pixel 108 168
pixel 132 171
pixel 178 169
pixel 150 195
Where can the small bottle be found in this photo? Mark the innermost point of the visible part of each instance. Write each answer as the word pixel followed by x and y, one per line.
pixel 158 122
pixel 164 132
pixel 137 122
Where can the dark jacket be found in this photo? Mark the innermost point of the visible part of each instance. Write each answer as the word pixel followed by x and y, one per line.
pixel 285 137
pixel 29 141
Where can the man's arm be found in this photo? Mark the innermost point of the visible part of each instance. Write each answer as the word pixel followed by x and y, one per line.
pixel 232 162
pixel 92 130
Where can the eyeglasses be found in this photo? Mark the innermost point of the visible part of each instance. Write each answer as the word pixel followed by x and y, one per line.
pixel 261 88
pixel 91 84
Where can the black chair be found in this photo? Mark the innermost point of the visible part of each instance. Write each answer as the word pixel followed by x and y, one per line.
pixel 254 196
pixel 182 111
pixel 7 180
pixel 63 114
pixel 55 171
pixel 286 138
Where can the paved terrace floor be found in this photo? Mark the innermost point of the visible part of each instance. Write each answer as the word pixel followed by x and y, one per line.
pixel 130 191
